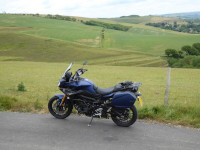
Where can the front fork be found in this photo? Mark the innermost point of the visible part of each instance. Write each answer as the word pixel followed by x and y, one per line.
pixel 62 101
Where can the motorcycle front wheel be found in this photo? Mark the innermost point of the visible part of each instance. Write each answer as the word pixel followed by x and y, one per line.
pixel 58 111
pixel 124 117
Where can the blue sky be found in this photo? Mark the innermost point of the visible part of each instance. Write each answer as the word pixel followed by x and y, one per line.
pixel 99 8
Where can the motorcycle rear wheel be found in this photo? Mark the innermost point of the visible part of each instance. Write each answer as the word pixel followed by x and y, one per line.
pixel 127 118
pixel 60 112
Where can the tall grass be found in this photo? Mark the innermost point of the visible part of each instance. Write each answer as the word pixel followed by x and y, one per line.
pixel 176 114
pixel 10 103
pixel 7 102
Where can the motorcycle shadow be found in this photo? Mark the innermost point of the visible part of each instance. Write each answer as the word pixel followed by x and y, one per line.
pixel 77 121
pixel 102 130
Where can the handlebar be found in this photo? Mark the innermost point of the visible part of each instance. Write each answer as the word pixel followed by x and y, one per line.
pixel 79 72
pixel 84 70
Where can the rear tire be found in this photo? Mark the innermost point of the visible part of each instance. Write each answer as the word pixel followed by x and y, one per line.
pixel 127 118
pixel 59 112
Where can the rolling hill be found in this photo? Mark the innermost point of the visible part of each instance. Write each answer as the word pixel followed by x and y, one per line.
pixel 187 15
pixel 31 38
pixel 135 19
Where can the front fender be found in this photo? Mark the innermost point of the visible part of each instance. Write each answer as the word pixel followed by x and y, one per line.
pixel 60 96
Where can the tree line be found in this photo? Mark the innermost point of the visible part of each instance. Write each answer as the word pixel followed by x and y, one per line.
pixel 107 25
pixel 91 22
pixel 190 27
pixel 187 57
pixel 59 17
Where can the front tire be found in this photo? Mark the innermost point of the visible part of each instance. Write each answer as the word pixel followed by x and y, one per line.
pixel 124 117
pixel 57 111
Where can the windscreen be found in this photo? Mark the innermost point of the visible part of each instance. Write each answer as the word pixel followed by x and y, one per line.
pixel 68 69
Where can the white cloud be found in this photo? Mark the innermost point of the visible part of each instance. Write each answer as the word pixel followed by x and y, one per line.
pixel 99 8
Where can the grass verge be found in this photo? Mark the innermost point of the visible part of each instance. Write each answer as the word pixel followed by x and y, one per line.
pixel 8 103
pixel 175 114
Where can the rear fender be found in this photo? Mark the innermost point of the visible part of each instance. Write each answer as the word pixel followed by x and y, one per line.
pixel 107 96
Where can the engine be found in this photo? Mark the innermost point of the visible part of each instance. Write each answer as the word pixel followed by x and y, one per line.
pixel 82 107
pixel 85 105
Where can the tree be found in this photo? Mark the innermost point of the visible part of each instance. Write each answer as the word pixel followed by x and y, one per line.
pixel 181 54
pixel 102 37
pixel 172 53
pixel 190 50
pixel 168 52
pixel 187 49
pixel 194 51
pixel 196 46
pixel 175 24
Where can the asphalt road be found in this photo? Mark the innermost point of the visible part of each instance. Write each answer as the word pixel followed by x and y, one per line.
pixel 21 131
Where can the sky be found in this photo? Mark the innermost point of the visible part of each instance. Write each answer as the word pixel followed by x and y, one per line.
pixel 99 8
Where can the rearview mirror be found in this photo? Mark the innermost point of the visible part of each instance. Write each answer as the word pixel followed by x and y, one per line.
pixel 85 62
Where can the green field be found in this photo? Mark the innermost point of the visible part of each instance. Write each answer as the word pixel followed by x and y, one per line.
pixel 37 50
pixel 140 38
pixel 41 79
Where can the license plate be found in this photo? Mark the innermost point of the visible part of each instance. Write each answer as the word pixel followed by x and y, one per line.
pixel 140 101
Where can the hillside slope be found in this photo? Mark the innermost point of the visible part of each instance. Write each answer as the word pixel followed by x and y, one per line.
pixel 33 38
pixel 187 15
pixel 135 19
pixel 16 46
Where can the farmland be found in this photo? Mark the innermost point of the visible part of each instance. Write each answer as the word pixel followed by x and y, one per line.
pixel 140 38
pixel 145 19
pixel 40 80
pixel 36 51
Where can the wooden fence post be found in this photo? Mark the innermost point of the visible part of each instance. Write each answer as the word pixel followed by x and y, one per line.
pixel 167 86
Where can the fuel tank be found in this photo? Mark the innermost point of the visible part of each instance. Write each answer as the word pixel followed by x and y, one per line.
pixel 80 84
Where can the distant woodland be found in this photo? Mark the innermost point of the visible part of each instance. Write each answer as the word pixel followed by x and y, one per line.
pixel 189 27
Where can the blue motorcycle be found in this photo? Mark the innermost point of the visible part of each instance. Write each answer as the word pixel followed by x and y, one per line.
pixel 87 98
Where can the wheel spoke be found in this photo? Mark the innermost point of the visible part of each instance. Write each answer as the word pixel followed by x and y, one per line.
pixel 59 110
pixel 126 115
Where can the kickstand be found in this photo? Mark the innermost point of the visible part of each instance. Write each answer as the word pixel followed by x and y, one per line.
pixel 89 125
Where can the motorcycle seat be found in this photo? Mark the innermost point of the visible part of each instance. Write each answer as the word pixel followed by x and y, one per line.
pixel 106 91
